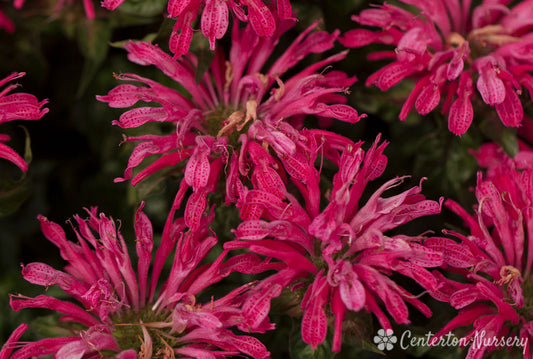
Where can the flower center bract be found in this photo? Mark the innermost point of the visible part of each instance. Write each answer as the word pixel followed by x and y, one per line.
pixel 482 41
pixel 128 332
pixel 230 122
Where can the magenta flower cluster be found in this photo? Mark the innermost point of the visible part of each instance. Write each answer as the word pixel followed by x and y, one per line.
pixel 318 227
pixel 17 106
pixel 447 47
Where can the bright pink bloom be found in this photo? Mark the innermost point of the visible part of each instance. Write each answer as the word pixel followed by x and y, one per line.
pixel 448 46
pixel 236 110
pixel 17 106
pixel 498 256
pixel 118 308
pixel 494 158
pixel 340 258
pixel 214 19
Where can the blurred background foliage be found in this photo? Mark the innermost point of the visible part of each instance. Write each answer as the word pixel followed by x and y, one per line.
pixel 75 152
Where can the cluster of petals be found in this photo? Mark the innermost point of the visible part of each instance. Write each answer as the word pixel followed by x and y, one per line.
pixel 16 106
pixel 496 257
pixel 214 18
pixel 117 310
pixel 339 257
pixel 234 105
pixel 446 47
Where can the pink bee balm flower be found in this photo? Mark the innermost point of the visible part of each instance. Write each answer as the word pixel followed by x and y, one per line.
pixel 339 259
pixel 17 106
pixel 497 300
pixel 494 158
pixel 448 46
pixel 214 19
pixel 117 310
pixel 236 105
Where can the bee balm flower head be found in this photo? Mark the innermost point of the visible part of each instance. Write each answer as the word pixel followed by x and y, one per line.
pixel 236 104
pixel 496 299
pixel 117 310
pixel 214 18
pixel 451 48
pixel 339 259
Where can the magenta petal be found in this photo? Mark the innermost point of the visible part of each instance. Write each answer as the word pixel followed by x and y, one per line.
pixel 456 65
pixel 490 87
pixel 339 310
pixel 41 301
pixel 139 116
pixel 314 321
pixel 358 38
pixel 144 246
pixel 412 45
pixel 284 9
pixel 257 307
pixel 123 96
pixel 510 110
pixel 465 317
pixel 390 75
pixel 42 347
pixel 464 297
pixel 250 345
pixel 396 307
pixel 43 274
pixel 214 21
pixel 111 4
pixel 260 17
pixel 10 343
pixel 428 99
pixel 6 24
pixel 165 161
pixel 454 254
pixel 460 116
pixel 196 205
pixel 176 7
pixel 343 112
pixel 9 154
pixel 252 229
pixel 353 294
pixel 181 36
pixel 197 169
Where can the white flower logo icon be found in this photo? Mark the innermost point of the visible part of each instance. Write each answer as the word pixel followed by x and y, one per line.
pixel 385 339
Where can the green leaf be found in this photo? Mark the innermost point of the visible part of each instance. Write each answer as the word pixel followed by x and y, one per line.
pixel 13 194
pixel 509 142
pixel 301 350
pixel 200 47
pixel 165 30
pixel 358 332
pixel 142 7
pixel 93 41
pixel 50 326
pixel 28 155
pixel 504 136
pixel 120 44
pixel 460 164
